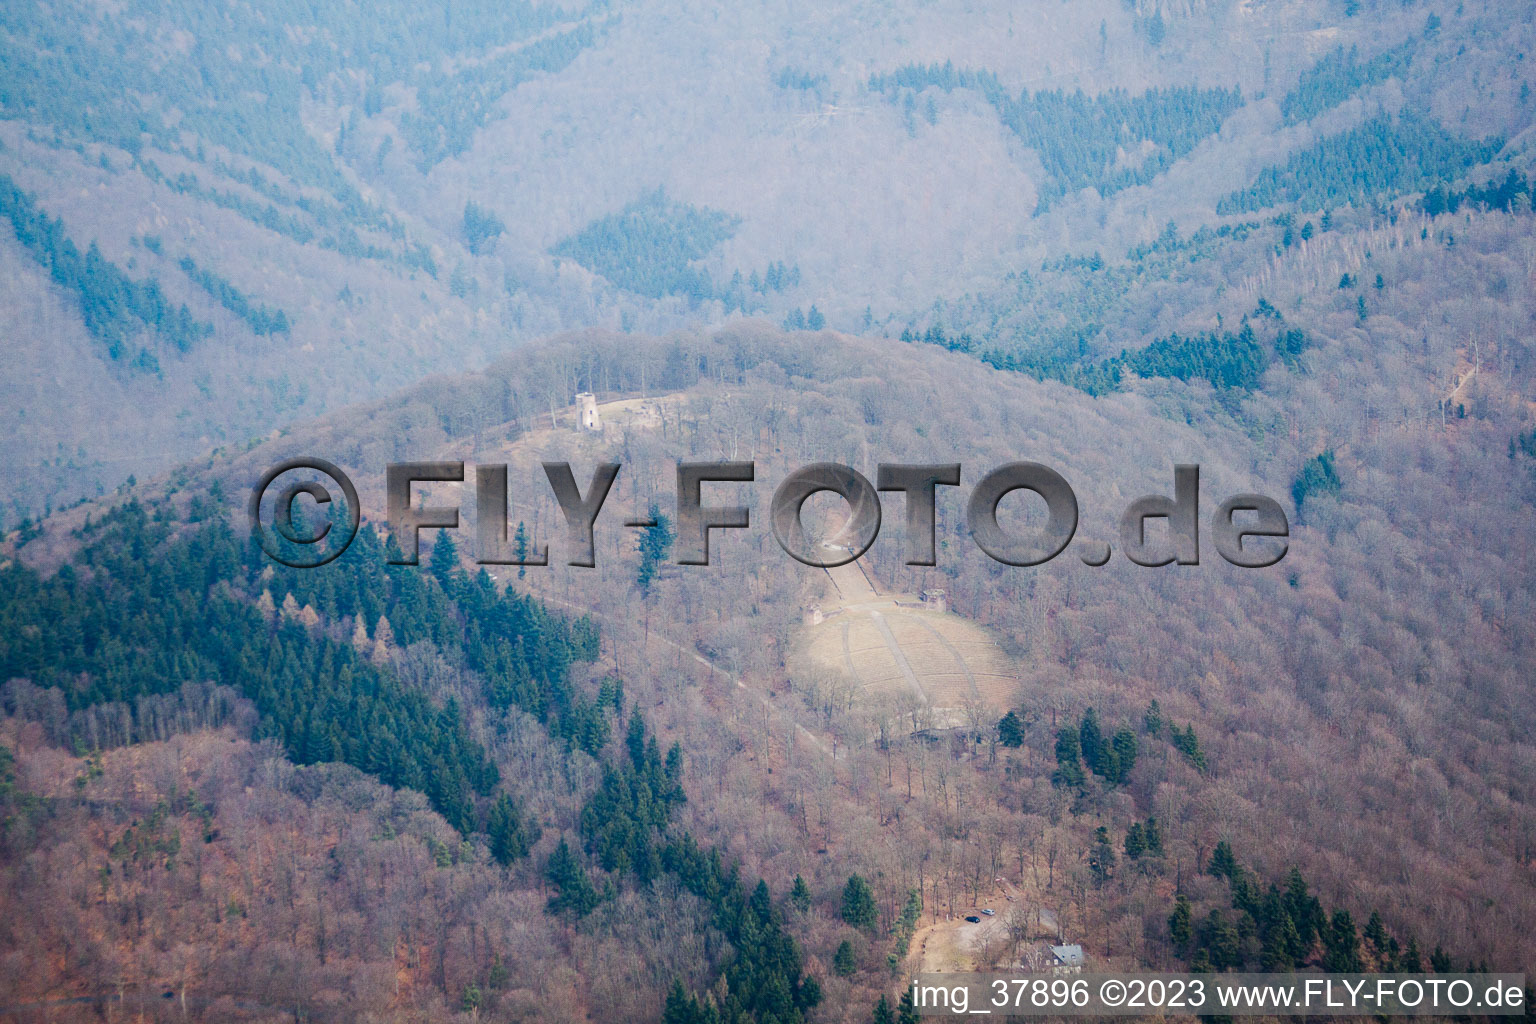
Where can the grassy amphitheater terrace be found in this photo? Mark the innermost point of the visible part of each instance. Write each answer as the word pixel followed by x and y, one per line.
pixel 907 649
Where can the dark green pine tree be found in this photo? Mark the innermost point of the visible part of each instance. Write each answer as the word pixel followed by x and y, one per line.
pixel 1223 861
pixel 682 1008
pixel 520 548
pixel 761 901
pixel 610 694
pixel 800 895
pixel 1341 945
pixel 883 1014
pixel 1221 941
pixel 844 963
pixel 574 891
pixel 445 558
pixel 655 545
pixel 1010 730
pixel 1189 745
pixel 1135 841
pixel 679 1007
pixel 1125 749
pixel 1376 934
pixel 1306 911
pixel 810 988
pixel 1180 928
pixel 634 739
pixel 859 907
pixel 1091 740
pixel 1245 894
pixel 510 839
pixel 906 1011
pixel 1280 944
pixel 1069 762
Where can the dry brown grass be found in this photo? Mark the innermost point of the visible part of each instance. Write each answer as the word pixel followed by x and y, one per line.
pixel 954 660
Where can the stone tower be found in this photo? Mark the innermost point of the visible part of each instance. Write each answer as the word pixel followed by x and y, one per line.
pixel 586 412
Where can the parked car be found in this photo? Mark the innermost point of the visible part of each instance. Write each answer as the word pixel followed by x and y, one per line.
pixel 989 912
pixel 974 919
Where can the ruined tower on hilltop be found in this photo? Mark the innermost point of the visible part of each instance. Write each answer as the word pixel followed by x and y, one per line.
pixel 586 412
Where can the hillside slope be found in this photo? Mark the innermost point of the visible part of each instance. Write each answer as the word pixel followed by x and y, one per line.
pixel 344 203
pixel 1376 672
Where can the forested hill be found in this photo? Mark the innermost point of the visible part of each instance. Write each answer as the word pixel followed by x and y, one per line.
pixel 144 612
pixel 573 816
pixel 130 640
pixel 1289 242
pixel 222 223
